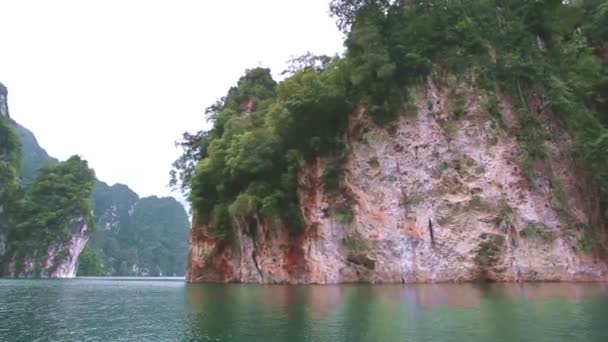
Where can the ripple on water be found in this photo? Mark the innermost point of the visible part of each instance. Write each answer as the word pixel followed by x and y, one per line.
pixel 131 309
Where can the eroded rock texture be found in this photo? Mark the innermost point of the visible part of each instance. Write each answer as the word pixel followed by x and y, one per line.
pixel 435 198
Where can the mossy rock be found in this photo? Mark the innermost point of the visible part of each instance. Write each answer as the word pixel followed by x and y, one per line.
pixel 490 250
pixel 536 230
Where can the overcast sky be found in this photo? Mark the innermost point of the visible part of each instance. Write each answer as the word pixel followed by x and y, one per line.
pixel 118 81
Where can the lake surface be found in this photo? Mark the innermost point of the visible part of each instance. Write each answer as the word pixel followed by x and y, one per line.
pixel 170 310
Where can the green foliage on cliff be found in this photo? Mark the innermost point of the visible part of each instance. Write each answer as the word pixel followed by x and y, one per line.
pixel 541 54
pixel 262 134
pixel 90 264
pixel 9 167
pixel 46 213
pixel 512 47
pixel 10 149
pixel 54 205
pixel 36 216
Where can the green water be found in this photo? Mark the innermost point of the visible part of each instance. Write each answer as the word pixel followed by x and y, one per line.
pixel 170 310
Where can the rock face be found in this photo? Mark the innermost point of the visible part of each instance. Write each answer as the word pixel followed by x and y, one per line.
pixel 59 260
pixel 433 199
pixel 3 101
pixel 67 268
pixel 3 112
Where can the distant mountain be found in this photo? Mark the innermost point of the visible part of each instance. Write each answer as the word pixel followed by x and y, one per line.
pixel 147 236
pixel 33 156
pixel 134 236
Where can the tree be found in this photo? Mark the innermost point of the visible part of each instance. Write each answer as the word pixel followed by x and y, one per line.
pixel 346 11
pixel 308 61
pixel 89 264
pixel 55 203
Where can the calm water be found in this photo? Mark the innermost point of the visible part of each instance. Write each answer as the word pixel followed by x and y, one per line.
pixel 170 310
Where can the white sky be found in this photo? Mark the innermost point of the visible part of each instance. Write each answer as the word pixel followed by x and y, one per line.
pixel 118 81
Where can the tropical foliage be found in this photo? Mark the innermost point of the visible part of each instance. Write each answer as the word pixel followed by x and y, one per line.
pixel 90 264
pixel 263 132
pixel 47 212
pixel 53 206
pixel 247 164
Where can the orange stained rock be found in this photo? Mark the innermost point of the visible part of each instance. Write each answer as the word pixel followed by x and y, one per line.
pixel 410 228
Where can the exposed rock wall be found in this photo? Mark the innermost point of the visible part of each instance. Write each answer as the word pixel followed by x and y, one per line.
pixel 60 260
pixel 435 199
pixel 68 265
pixel 3 101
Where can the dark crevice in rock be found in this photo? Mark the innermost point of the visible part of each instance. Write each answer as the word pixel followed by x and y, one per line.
pixel 362 260
pixel 257 267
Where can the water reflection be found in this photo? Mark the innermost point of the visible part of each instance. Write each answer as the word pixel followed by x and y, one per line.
pixel 499 312
pixel 149 310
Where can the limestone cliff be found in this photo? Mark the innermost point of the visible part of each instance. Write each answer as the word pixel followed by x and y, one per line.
pixel 433 200
pixel 3 116
pixel 60 260
pixel 3 101
pixel 45 219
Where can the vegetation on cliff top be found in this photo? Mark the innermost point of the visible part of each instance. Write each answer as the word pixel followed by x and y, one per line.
pixel 58 199
pixel 45 212
pixel 48 211
pixel 263 132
